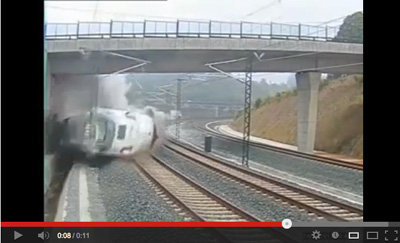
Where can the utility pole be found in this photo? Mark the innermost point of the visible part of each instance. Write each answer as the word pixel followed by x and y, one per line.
pixel 178 107
pixel 247 111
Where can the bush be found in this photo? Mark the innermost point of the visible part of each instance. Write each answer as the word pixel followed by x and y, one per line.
pixel 257 104
pixel 267 100
pixel 359 79
pixel 323 84
pixel 278 96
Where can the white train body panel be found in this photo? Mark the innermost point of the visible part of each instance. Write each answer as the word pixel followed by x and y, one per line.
pixel 138 131
pixel 117 132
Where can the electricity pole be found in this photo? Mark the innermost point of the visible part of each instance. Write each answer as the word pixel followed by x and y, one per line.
pixel 247 112
pixel 178 107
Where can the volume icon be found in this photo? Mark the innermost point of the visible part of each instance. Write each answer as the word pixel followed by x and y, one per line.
pixel 44 235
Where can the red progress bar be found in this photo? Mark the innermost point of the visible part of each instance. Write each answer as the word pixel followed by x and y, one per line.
pixel 141 224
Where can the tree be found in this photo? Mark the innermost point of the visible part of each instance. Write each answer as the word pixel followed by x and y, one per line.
pixel 352 29
pixel 257 104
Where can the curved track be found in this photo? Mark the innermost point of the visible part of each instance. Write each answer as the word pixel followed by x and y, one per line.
pixel 313 157
pixel 323 207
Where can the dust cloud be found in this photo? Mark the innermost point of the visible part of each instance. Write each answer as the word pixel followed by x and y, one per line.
pixel 112 90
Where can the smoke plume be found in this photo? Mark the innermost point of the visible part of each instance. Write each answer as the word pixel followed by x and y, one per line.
pixel 112 92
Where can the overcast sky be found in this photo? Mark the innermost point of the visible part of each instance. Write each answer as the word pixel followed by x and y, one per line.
pixel 282 11
pixel 288 11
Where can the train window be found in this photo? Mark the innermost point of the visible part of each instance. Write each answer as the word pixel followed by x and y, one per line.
pixel 121 132
pixel 102 130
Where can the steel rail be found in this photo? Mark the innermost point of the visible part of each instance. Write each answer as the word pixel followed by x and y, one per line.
pixel 169 194
pixel 282 196
pixel 314 157
pixel 235 210
pixel 222 234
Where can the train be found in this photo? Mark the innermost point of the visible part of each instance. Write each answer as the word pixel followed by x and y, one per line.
pixel 112 132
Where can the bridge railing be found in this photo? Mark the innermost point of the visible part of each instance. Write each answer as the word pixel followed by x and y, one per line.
pixel 127 29
pixel 188 28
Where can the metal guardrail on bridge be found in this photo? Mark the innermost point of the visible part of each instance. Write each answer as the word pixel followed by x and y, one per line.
pixel 185 28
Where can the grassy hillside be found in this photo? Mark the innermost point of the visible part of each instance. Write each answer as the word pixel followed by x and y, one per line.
pixel 340 117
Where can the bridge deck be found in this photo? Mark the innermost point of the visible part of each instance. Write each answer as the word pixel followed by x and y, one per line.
pixel 175 55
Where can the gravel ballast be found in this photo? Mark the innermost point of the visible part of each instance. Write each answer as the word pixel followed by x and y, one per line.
pixel 297 170
pixel 253 202
pixel 127 197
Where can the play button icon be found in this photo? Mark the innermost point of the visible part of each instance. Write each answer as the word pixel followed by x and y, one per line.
pixel 17 235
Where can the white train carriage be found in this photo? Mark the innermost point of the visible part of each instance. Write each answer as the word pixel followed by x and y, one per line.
pixel 114 132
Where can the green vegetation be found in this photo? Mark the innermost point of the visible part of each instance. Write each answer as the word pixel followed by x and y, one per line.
pixel 359 79
pixel 352 29
pixel 278 96
pixel 258 103
pixel 340 117
pixel 323 84
pixel 216 90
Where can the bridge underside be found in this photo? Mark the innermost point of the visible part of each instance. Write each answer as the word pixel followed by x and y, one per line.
pixel 186 61
pixel 185 55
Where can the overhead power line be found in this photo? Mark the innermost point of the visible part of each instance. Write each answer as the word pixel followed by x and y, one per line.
pixel 263 8
pixel 120 13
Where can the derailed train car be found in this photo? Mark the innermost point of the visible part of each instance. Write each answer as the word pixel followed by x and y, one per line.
pixel 112 132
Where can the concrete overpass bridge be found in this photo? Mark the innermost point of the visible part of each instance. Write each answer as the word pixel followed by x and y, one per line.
pixel 76 52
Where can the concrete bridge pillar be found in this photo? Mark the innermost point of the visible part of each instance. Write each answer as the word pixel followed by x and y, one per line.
pixel 307 107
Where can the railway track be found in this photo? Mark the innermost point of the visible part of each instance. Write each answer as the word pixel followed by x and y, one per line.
pixel 323 208
pixel 313 157
pixel 191 200
pixel 196 203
